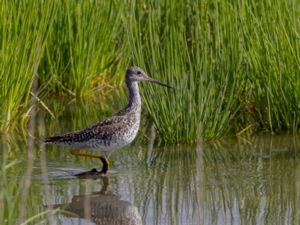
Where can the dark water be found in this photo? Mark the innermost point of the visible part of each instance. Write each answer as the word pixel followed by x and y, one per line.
pixel 254 180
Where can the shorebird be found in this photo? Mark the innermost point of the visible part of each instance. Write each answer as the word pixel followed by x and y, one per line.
pixel 113 132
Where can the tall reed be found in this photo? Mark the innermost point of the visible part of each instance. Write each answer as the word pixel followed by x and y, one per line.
pixel 272 57
pixel 234 64
pixel 23 34
pixel 226 59
pixel 84 42
pixel 186 44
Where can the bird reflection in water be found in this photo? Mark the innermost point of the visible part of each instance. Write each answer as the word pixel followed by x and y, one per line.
pixel 104 207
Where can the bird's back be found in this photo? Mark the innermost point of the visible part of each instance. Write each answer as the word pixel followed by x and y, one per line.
pixel 113 132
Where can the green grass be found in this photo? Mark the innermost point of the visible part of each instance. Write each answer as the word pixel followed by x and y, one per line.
pixel 234 64
pixel 23 34
pixel 84 42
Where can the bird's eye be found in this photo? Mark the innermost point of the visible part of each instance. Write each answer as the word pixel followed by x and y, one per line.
pixel 139 72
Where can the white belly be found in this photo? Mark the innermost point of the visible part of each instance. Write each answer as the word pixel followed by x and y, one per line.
pixel 119 140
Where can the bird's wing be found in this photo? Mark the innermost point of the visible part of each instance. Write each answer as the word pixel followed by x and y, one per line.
pixel 108 127
pixel 100 130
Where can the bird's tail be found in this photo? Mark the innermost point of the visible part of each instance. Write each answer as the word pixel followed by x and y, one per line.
pixel 54 139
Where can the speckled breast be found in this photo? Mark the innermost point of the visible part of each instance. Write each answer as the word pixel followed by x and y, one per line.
pixel 120 137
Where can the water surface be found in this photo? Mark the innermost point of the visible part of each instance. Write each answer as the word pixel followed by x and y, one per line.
pixel 254 180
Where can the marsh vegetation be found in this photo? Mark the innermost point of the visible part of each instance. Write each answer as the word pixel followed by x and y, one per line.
pixel 236 69
pixel 235 64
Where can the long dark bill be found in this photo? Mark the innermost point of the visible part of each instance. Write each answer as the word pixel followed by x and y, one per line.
pixel 160 83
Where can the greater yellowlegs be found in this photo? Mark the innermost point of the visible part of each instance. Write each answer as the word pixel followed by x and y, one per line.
pixel 113 132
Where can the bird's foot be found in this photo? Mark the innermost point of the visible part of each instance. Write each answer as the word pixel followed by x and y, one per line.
pixel 93 173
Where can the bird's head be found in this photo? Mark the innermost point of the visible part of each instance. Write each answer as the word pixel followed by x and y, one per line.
pixel 135 73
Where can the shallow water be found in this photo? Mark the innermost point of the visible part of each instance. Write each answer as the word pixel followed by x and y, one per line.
pixel 233 181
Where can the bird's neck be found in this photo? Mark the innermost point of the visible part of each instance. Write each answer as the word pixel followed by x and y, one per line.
pixel 134 96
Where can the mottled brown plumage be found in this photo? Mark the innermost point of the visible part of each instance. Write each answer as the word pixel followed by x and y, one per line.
pixel 114 132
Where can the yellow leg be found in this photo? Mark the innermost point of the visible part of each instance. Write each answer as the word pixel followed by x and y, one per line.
pixel 104 160
pixel 105 184
pixel 105 163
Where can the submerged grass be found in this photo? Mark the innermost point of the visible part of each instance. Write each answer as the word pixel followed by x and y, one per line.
pixel 11 189
pixel 234 64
